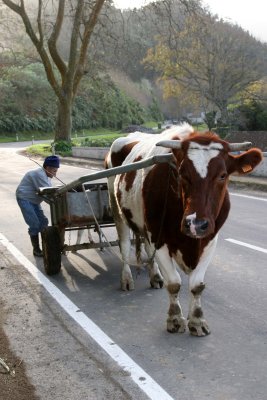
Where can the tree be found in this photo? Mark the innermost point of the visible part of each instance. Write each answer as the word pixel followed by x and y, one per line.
pixel 209 58
pixel 64 75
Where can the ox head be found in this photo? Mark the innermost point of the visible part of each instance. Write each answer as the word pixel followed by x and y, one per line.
pixel 204 163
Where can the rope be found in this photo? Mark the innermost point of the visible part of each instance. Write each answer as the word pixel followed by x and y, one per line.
pixel 102 233
pixel 151 259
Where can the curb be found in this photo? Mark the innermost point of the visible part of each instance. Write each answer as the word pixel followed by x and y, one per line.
pixel 257 186
pixel 83 162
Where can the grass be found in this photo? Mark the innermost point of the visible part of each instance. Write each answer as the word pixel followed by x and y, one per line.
pixel 25 136
pixel 29 136
pixel 42 150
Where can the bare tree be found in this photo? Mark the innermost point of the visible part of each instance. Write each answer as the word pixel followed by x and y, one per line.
pixel 64 75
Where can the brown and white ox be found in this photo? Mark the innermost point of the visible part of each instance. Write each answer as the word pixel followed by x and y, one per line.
pixel 178 208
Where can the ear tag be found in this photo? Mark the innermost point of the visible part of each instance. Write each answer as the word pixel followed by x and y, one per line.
pixel 246 168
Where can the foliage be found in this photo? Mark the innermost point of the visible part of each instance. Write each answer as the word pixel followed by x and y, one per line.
pixel 251 116
pixel 155 111
pixel 63 73
pixel 100 141
pixel 203 62
pixel 101 104
pixel 62 147
pixel 43 150
pixel 210 119
pixel 209 58
pixel 20 123
pixel 27 103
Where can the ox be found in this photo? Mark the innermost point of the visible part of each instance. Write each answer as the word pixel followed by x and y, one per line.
pixel 178 208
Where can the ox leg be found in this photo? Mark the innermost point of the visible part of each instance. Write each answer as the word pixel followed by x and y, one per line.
pixel 175 321
pixel 196 322
pixel 127 282
pixel 78 240
pixel 123 230
pixel 156 279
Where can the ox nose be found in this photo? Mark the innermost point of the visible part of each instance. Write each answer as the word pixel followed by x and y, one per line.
pixel 196 227
pixel 202 225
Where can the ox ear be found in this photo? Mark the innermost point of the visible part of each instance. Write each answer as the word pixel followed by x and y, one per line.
pixel 245 162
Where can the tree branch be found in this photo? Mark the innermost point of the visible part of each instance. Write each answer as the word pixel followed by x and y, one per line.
pixel 20 10
pixel 52 41
pixel 89 27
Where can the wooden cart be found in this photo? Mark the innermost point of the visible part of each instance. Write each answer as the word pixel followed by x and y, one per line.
pixel 82 204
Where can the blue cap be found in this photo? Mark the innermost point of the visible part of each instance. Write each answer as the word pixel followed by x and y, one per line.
pixel 51 161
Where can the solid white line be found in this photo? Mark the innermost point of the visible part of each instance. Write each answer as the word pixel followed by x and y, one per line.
pixel 250 246
pixel 248 197
pixel 138 375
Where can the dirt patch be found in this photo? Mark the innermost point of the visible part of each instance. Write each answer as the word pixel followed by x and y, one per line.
pixel 14 385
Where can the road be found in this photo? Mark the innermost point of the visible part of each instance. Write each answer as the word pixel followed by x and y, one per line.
pixel 229 364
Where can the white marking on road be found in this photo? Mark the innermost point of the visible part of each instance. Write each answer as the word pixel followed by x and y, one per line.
pixel 138 375
pixel 250 246
pixel 248 197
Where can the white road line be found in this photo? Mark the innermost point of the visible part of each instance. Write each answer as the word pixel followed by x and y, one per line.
pixel 248 197
pixel 138 375
pixel 250 246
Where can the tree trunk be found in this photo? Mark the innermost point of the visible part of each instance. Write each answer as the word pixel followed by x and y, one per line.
pixel 224 112
pixel 64 121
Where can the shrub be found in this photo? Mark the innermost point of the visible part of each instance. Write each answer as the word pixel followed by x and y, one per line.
pixel 251 116
pixel 62 147
pixel 27 103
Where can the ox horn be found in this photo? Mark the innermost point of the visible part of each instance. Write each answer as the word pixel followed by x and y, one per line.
pixel 171 144
pixel 240 146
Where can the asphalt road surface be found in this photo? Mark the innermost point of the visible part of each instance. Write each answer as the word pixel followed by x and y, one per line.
pixel 229 364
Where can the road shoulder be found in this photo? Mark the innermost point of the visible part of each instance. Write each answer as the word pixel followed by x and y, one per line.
pixel 44 340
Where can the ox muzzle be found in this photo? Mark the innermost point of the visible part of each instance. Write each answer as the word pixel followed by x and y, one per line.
pixel 195 227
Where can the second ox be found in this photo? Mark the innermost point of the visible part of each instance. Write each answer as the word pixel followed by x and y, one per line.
pixel 177 207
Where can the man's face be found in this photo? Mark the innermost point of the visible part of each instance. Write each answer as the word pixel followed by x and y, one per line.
pixel 51 171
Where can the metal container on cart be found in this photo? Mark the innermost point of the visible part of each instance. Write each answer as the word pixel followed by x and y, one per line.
pixel 82 205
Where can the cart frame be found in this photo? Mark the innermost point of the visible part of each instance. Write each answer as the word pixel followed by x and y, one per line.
pixel 80 205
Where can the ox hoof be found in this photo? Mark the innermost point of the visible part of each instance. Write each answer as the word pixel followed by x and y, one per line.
pixel 199 329
pixel 156 282
pixel 176 324
pixel 126 286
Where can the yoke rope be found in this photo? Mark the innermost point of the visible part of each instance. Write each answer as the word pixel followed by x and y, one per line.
pixel 104 236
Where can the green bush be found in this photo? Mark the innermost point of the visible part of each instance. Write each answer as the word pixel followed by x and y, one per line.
pixel 251 116
pixel 62 147
pixel 13 123
pixel 100 141
pixel 29 104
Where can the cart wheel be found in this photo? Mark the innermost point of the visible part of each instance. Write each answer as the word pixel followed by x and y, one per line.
pixel 51 250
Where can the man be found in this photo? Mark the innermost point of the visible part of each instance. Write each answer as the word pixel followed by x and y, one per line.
pixel 29 201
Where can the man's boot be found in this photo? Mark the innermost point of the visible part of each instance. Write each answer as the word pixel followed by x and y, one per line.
pixel 36 248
